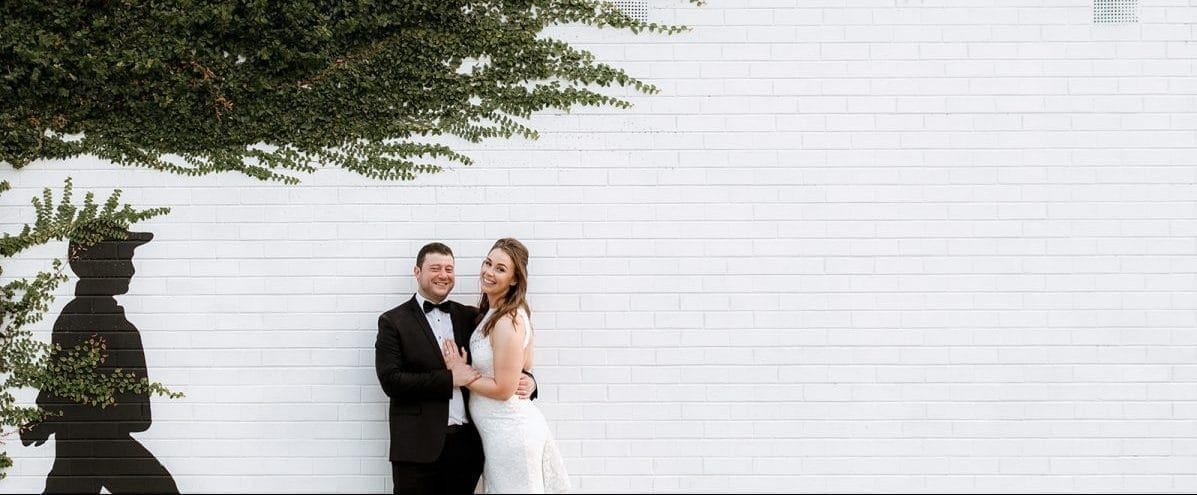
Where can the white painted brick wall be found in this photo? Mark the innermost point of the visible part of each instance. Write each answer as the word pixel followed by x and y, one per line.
pixel 852 245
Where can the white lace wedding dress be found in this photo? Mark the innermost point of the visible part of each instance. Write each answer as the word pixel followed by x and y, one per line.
pixel 521 456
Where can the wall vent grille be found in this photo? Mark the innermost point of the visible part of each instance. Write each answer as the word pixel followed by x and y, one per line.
pixel 633 8
pixel 1115 11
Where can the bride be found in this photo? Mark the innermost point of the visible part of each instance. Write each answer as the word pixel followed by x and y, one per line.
pixel 521 456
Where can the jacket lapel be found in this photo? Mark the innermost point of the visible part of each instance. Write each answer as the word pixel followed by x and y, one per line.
pixel 463 326
pixel 422 320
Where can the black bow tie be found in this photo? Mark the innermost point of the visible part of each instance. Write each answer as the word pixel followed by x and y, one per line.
pixel 428 305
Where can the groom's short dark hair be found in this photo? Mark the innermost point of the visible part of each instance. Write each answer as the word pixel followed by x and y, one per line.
pixel 432 247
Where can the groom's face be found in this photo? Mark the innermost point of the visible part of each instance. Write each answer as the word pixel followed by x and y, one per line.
pixel 435 277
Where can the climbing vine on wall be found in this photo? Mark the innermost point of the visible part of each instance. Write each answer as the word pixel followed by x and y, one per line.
pixel 269 88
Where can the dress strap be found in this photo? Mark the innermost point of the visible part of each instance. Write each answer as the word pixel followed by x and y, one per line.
pixel 527 327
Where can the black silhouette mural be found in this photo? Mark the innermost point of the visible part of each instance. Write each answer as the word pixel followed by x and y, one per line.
pixel 93 445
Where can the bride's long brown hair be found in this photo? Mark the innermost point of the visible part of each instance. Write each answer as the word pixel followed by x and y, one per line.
pixel 516 297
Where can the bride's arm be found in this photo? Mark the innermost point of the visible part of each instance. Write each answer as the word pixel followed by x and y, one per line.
pixel 506 338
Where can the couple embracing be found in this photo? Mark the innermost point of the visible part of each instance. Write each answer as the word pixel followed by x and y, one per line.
pixel 456 413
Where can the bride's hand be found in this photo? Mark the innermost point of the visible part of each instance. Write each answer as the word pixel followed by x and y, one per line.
pixel 452 354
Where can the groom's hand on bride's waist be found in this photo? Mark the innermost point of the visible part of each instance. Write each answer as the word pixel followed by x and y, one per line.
pixel 526 386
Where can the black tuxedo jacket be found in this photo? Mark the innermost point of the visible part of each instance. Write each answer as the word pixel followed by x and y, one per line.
pixel 412 372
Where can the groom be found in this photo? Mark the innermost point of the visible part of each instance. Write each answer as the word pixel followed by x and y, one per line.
pixel 434 447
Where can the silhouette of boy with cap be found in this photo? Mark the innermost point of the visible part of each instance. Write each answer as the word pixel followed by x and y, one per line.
pixel 93 446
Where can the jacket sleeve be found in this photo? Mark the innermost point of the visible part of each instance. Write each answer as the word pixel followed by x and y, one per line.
pixel 535 391
pixel 406 385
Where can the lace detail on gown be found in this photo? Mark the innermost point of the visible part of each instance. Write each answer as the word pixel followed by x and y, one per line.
pixel 521 456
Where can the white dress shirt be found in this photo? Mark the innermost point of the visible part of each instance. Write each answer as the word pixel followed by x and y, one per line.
pixel 442 327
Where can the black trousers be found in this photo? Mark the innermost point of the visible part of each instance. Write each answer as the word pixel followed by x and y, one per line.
pixel 456 470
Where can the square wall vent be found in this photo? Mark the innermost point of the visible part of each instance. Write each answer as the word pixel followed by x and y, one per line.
pixel 1115 11
pixel 636 9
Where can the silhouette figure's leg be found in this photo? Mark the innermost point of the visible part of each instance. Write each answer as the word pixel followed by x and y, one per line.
pixel 133 469
pixel 72 471
pixel 72 484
